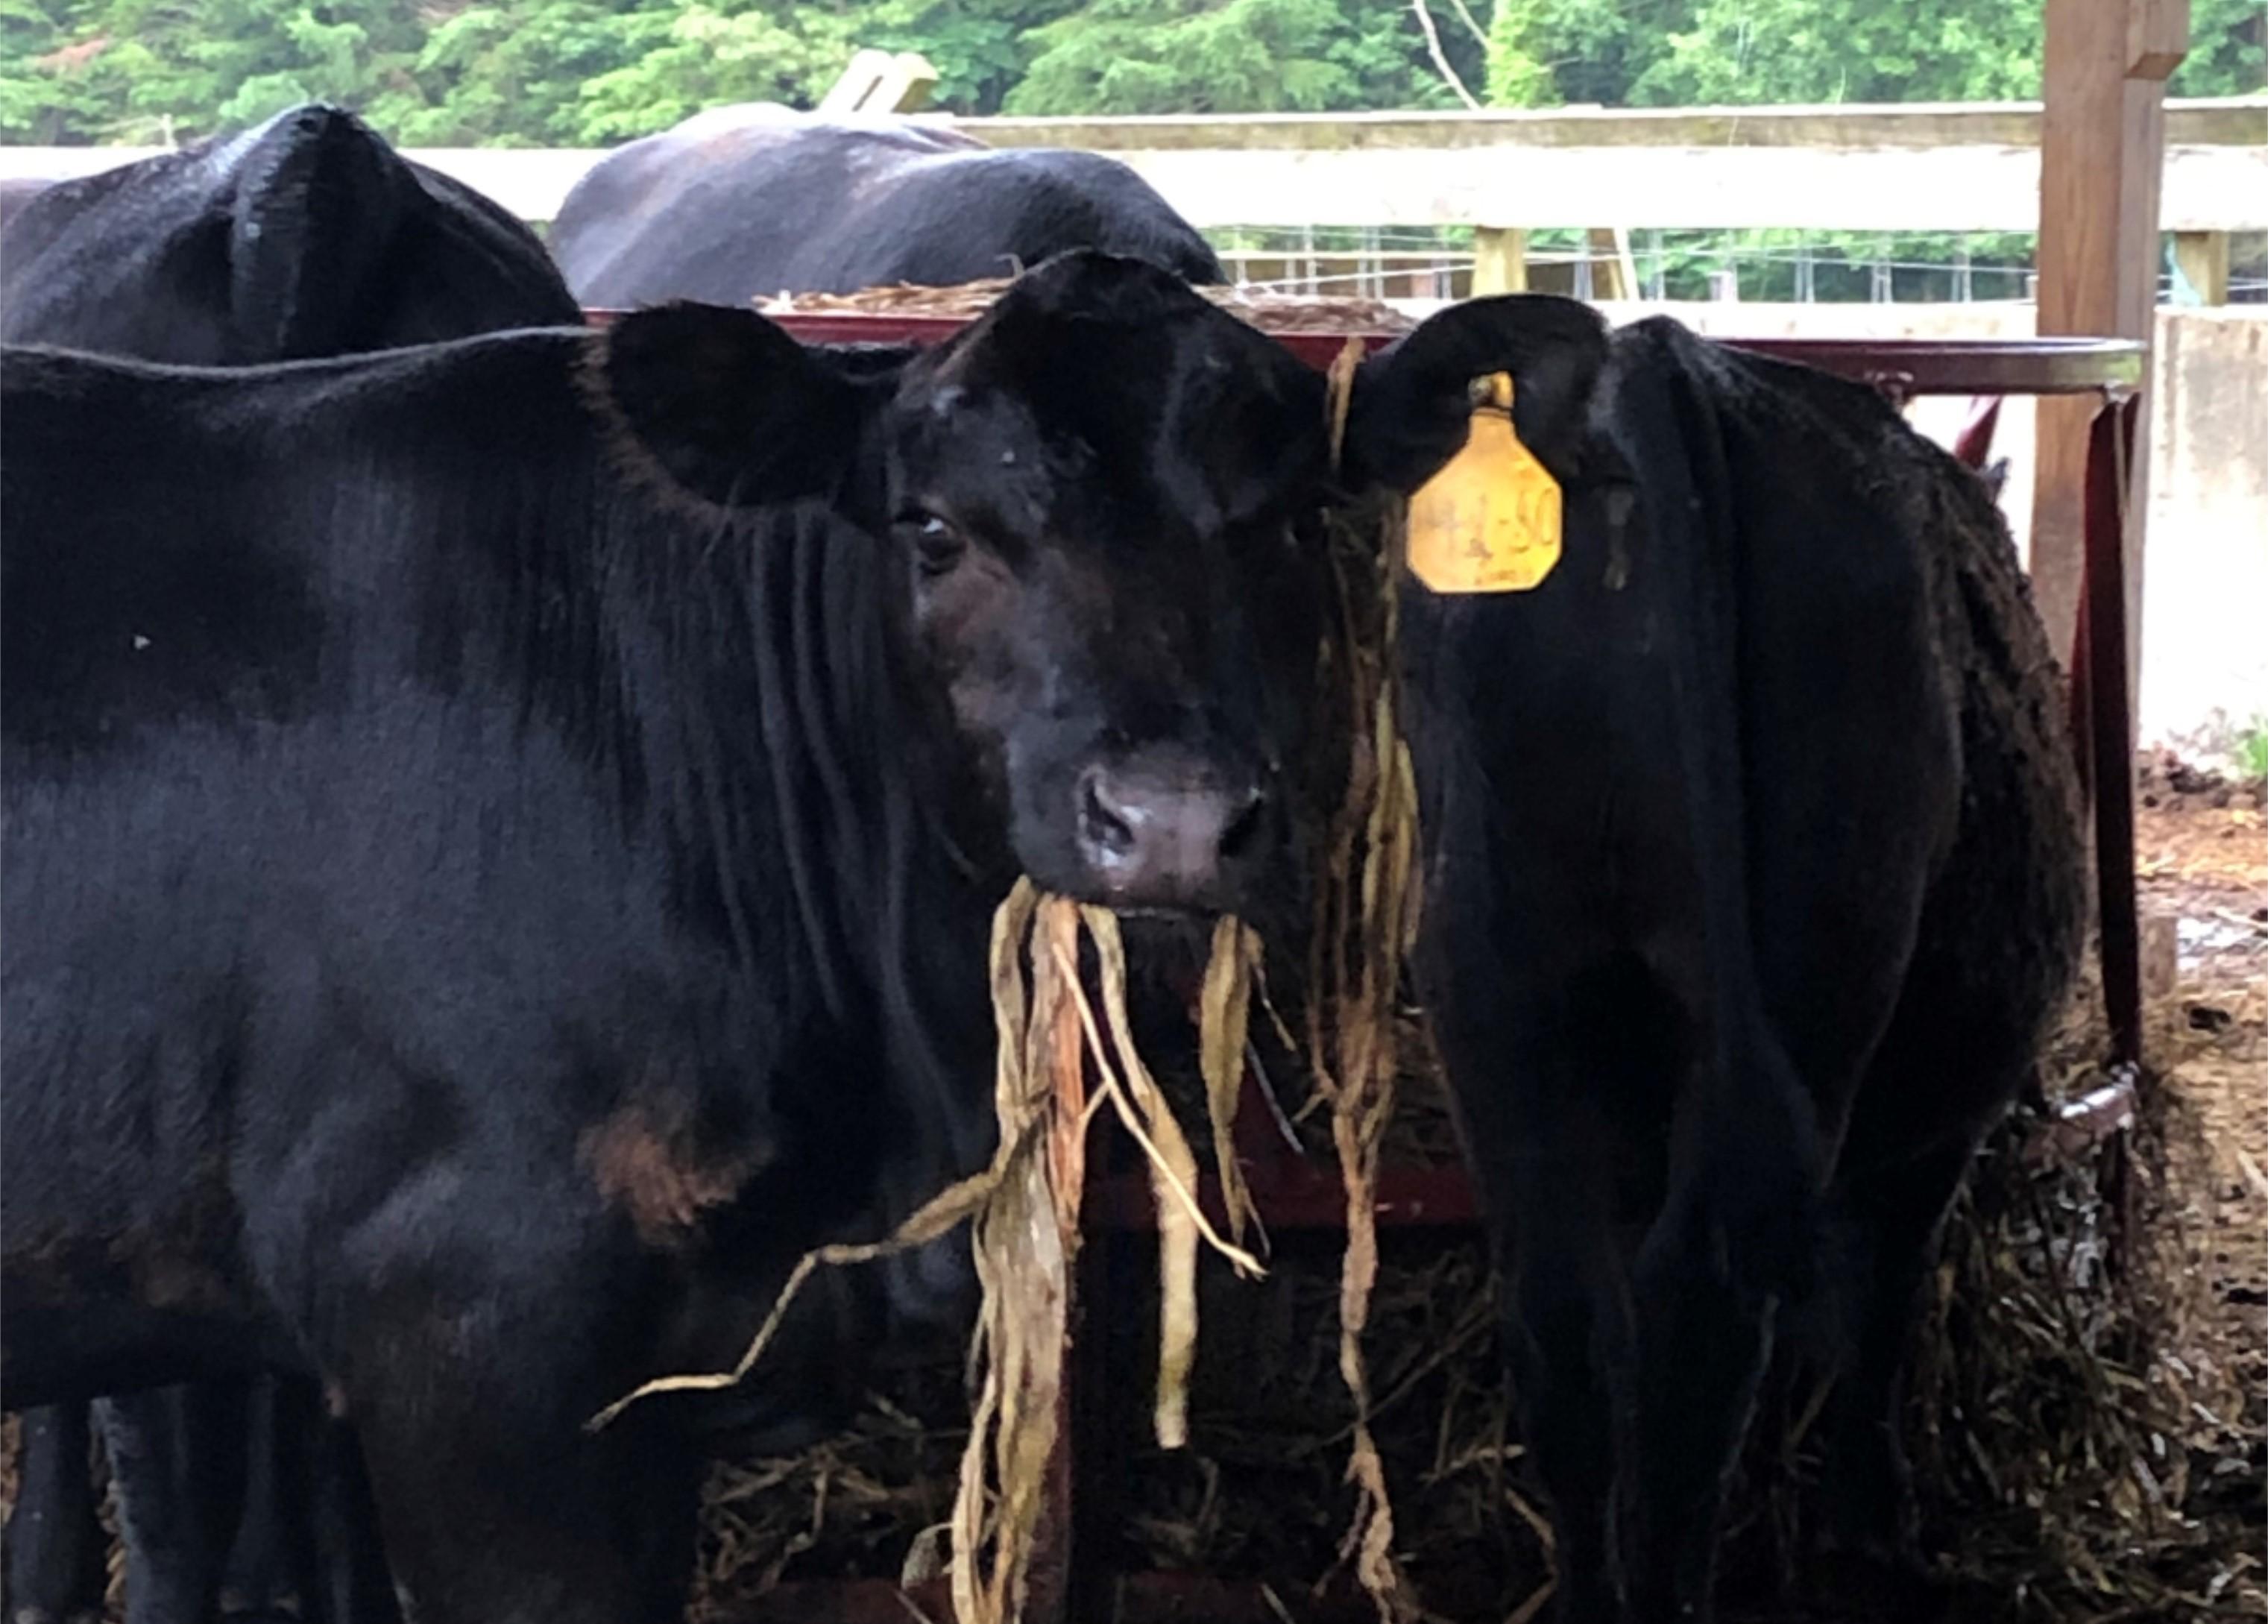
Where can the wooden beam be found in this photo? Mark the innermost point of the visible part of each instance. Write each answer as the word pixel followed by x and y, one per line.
pixel 1952 188
pixel 2228 120
pixel 2102 151
pixel 2203 257
pixel 1500 260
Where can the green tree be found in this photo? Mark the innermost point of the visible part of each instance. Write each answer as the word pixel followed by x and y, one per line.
pixel 2228 49
pixel 1542 52
pixel 1133 56
pixel 1847 50
pixel 577 72
pixel 1116 57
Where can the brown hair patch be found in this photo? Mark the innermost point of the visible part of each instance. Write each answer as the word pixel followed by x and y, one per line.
pixel 646 1161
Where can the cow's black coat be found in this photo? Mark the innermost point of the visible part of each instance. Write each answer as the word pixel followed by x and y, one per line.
pixel 308 236
pixel 743 202
pixel 500 842
pixel 1752 873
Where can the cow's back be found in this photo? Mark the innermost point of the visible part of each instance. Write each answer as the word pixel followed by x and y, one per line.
pixel 306 236
pixel 726 209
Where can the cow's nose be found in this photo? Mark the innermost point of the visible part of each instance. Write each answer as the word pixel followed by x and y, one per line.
pixel 1168 839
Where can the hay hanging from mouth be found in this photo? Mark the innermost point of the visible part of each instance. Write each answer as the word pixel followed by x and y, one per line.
pixel 1365 918
pixel 1023 1210
pixel 1027 1235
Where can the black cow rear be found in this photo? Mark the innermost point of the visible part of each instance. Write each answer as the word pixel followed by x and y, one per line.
pixel 742 202
pixel 1752 874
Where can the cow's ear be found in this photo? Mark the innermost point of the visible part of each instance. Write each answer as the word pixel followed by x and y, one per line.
pixel 1412 402
pixel 319 198
pixel 722 407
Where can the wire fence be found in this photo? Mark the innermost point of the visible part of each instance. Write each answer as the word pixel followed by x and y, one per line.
pixel 1772 267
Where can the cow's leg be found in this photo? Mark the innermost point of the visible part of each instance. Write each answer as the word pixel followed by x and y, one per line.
pixel 271 1562
pixel 177 1459
pixel 1704 1342
pixel 469 1396
pixel 1542 1153
pixel 564 1530
pixel 1567 1335
pixel 56 1542
pixel 1893 1208
pixel 349 1581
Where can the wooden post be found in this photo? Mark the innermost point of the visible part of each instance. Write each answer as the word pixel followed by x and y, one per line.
pixel 1500 260
pixel 878 82
pixel 2103 143
pixel 2204 259
pixel 1613 273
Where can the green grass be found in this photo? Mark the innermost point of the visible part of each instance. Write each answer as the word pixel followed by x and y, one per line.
pixel 2252 750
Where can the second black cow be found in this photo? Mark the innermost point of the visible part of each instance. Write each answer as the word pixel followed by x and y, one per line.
pixel 742 202
pixel 1752 875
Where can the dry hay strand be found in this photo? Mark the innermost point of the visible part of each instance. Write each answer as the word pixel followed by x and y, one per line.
pixel 1271 313
pixel 2086 1426
pixel 1261 1495
pixel 854 1497
pixel 1023 1210
pixel 1365 918
pixel 2083 1416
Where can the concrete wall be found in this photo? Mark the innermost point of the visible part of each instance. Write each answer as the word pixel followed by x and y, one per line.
pixel 2205 593
pixel 2204 590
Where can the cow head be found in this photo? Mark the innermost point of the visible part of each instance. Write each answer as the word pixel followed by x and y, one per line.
pixel 308 236
pixel 1101 509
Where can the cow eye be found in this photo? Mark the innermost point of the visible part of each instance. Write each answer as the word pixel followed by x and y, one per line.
pixel 936 545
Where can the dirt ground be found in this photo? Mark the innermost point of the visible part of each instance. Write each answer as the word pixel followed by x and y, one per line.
pixel 2178 1538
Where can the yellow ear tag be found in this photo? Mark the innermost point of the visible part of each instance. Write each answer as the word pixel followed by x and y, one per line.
pixel 1489 521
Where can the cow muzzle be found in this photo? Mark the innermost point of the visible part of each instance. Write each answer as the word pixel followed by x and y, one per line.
pixel 1171 833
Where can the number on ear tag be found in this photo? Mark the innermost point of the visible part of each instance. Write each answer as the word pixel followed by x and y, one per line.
pixel 1489 521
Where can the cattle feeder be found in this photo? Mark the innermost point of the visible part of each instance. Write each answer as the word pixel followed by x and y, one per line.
pixel 1293 1194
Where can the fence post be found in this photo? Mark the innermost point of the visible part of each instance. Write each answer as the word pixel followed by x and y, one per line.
pixel 1500 260
pixel 880 82
pixel 2102 145
pixel 2204 259
pixel 1614 273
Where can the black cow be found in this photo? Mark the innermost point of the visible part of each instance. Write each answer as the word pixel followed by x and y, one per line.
pixel 305 237
pixel 1752 872
pixel 308 236
pixel 501 840
pixel 15 192
pixel 742 202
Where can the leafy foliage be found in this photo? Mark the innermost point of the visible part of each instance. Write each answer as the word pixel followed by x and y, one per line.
pixel 582 72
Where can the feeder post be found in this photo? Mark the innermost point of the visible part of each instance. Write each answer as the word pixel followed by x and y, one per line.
pixel 2102 148
pixel 1500 260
